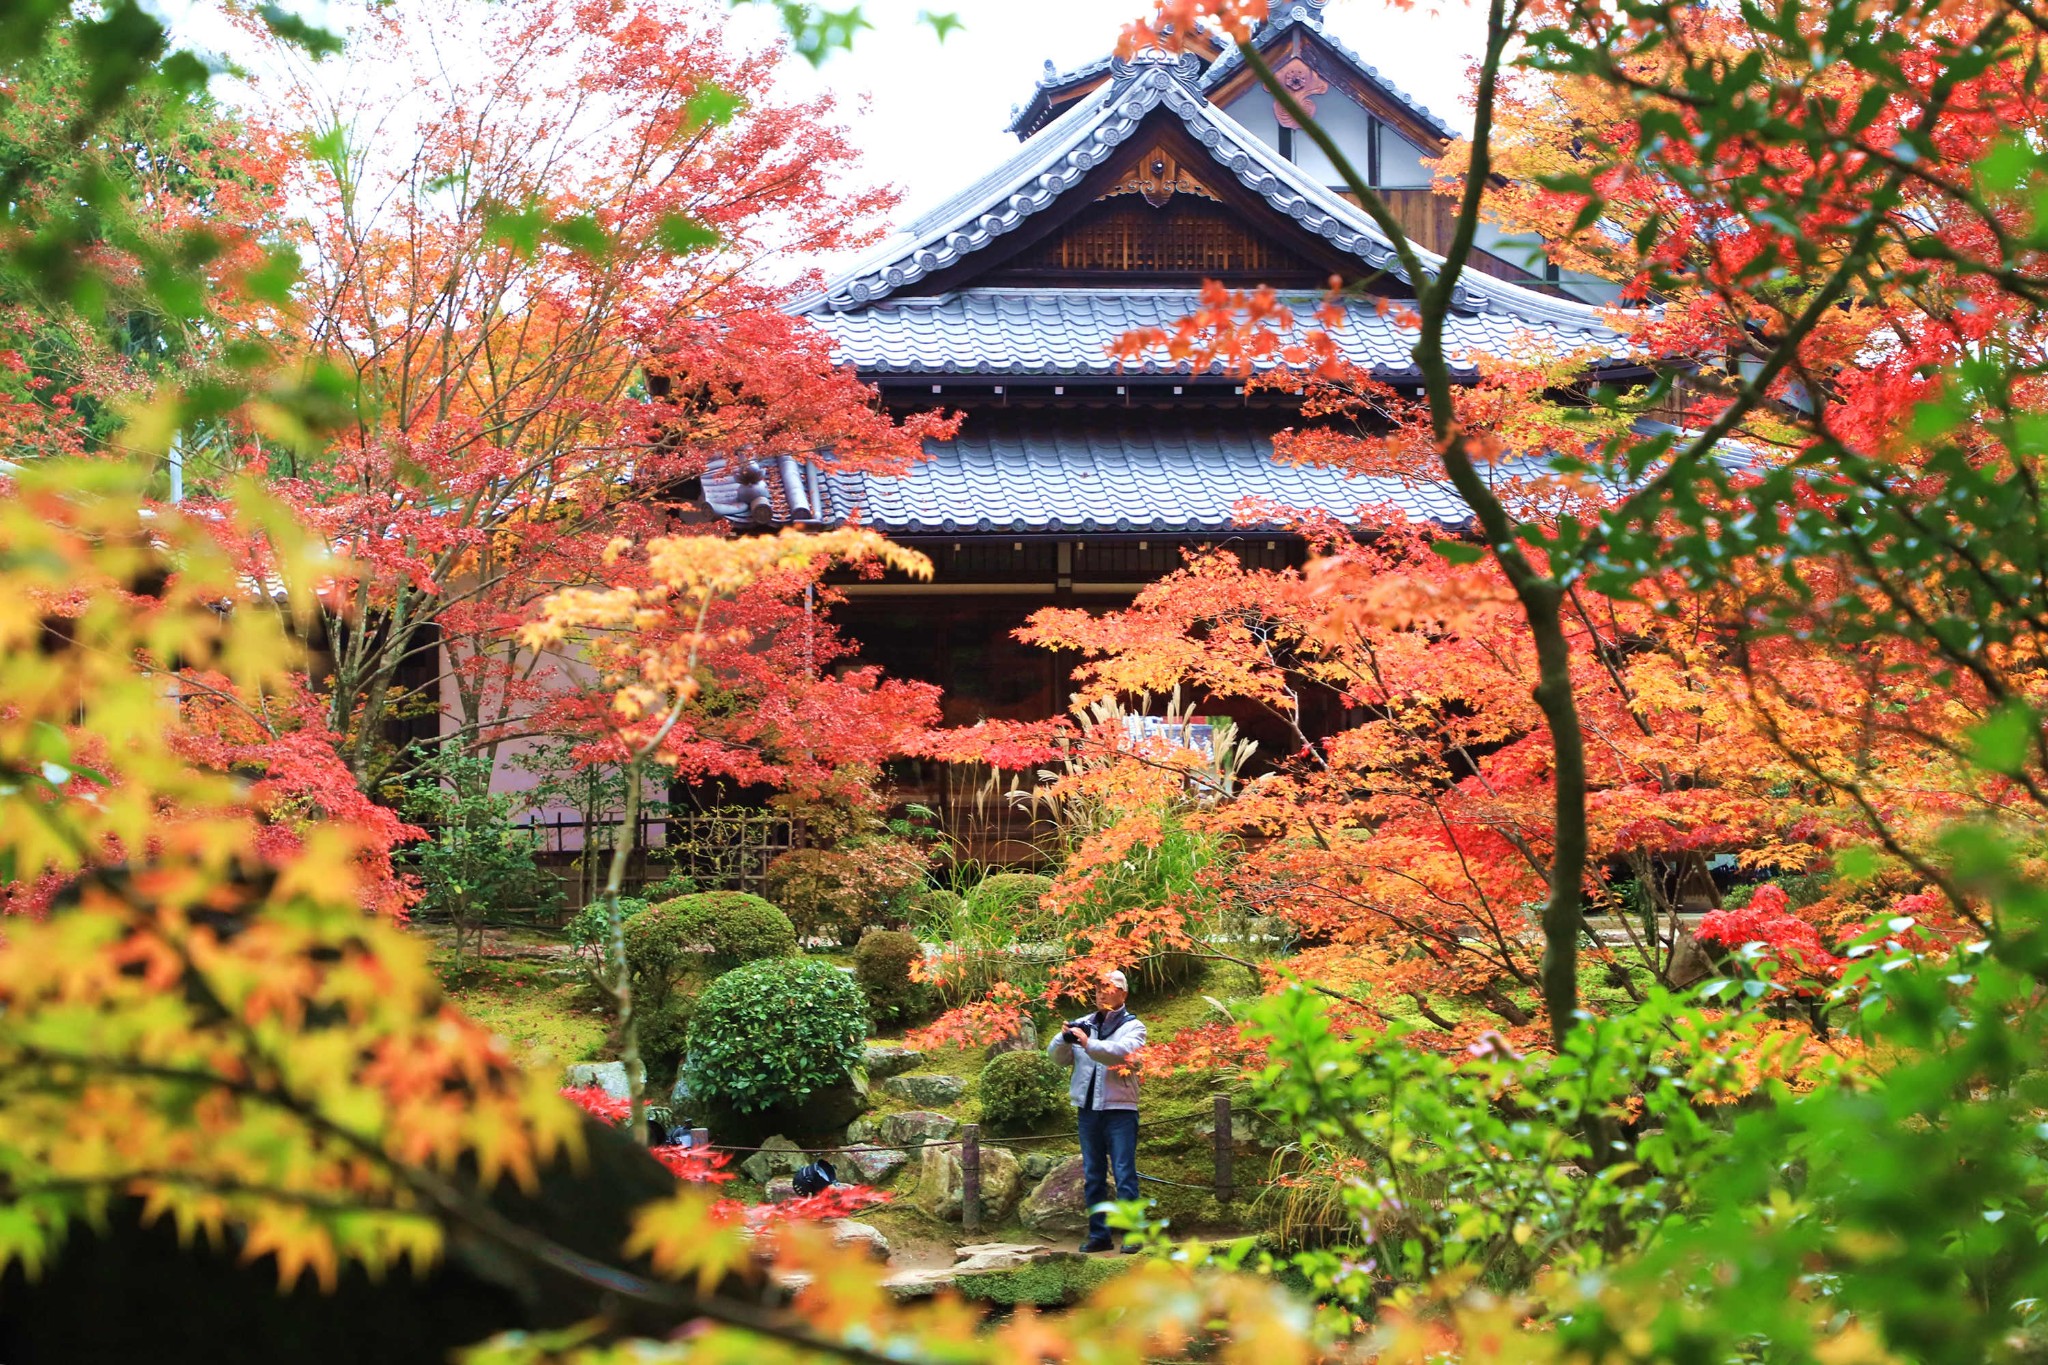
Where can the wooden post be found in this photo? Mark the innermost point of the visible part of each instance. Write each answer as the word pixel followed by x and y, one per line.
pixel 970 1178
pixel 1222 1140
pixel 700 1138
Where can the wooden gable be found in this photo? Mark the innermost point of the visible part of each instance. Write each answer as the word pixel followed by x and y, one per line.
pixel 1162 212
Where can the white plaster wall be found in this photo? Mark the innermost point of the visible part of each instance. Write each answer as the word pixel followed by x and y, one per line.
pixel 1349 126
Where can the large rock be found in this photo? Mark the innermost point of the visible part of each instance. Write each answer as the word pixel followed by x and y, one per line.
pixel 883 1060
pixel 875 1165
pixel 609 1077
pixel 1037 1164
pixel 1025 1039
pixel 834 1106
pixel 913 1127
pixel 926 1089
pixel 846 1232
pixel 781 1189
pixel 778 1156
pixel 940 1183
pixel 1055 1207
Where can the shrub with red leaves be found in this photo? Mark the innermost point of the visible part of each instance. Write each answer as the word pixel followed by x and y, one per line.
pixel 1802 960
pixel 593 1100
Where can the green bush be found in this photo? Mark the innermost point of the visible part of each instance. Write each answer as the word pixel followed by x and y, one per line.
pixel 719 929
pixel 1180 867
pixel 935 913
pixel 1018 1089
pixel 983 932
pixel 664 1038
pixel 773 1032
pixel 589 934
pixel 882 966
pixel 475 862
pixel 1007 908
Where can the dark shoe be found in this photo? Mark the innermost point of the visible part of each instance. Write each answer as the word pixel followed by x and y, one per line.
pixel 1131 1248
pixel 1098 1244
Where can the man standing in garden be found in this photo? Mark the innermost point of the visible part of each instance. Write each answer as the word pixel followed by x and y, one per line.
pixel 1098 1047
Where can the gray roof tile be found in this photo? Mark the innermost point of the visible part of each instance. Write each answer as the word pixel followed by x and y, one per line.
pixel 1055 332
pixel 1134 475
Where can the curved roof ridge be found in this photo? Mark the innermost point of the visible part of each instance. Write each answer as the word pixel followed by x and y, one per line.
pixel 1088 134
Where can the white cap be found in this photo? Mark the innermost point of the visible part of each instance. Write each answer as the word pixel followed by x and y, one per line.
pixel 1116 979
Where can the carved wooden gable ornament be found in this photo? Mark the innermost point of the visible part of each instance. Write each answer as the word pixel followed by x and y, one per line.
pixel 1303 82
pixel 1158 175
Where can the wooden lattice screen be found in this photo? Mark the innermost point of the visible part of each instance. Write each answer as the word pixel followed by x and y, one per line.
pixel 725 849
pixel 1187 237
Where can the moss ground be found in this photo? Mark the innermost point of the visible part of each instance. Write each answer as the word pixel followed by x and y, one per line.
pixel 548 1018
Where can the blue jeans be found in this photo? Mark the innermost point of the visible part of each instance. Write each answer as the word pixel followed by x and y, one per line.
pixel 1109 1141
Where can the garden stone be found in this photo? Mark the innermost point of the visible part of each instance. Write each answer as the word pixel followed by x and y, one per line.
pixel 1056 1207
pixel 981 1258
pixel 877 1164
pixel 846 1232
pixel 781 1189
pixel 777 1155
pixel 1035 1165
pixel 609 1077
pixel 940 1183
pixel 1025 1039
pixel 883 1060
pixel 926 1089
pixel 913 1127
pixel 863 1130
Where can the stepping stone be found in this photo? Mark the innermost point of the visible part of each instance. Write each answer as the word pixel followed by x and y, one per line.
pixel 883 1060
pixel 846 1232
pixel 926 1090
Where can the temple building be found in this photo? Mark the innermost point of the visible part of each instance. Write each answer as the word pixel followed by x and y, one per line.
pixel 1076 479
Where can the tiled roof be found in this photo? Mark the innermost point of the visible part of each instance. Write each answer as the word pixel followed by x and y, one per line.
pixel 1136 475
pixel 1018 331
pixel 1031 115
pixel 1310 16
pixel 1089 133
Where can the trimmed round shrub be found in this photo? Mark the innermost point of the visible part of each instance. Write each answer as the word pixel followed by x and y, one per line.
pixel 721 929
pixel 881 964
pixel 773 1032
pixel 1019 1089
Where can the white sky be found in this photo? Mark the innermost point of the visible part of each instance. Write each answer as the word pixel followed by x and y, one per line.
pixel 929 116
pixel 934 113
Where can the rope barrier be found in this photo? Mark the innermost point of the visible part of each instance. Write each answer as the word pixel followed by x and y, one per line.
pixel 949 1142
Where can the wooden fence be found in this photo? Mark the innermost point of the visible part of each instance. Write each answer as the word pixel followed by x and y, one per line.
pixel 725 849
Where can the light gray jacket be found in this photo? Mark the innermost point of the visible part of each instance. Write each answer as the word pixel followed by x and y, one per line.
pixel 1099 1060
